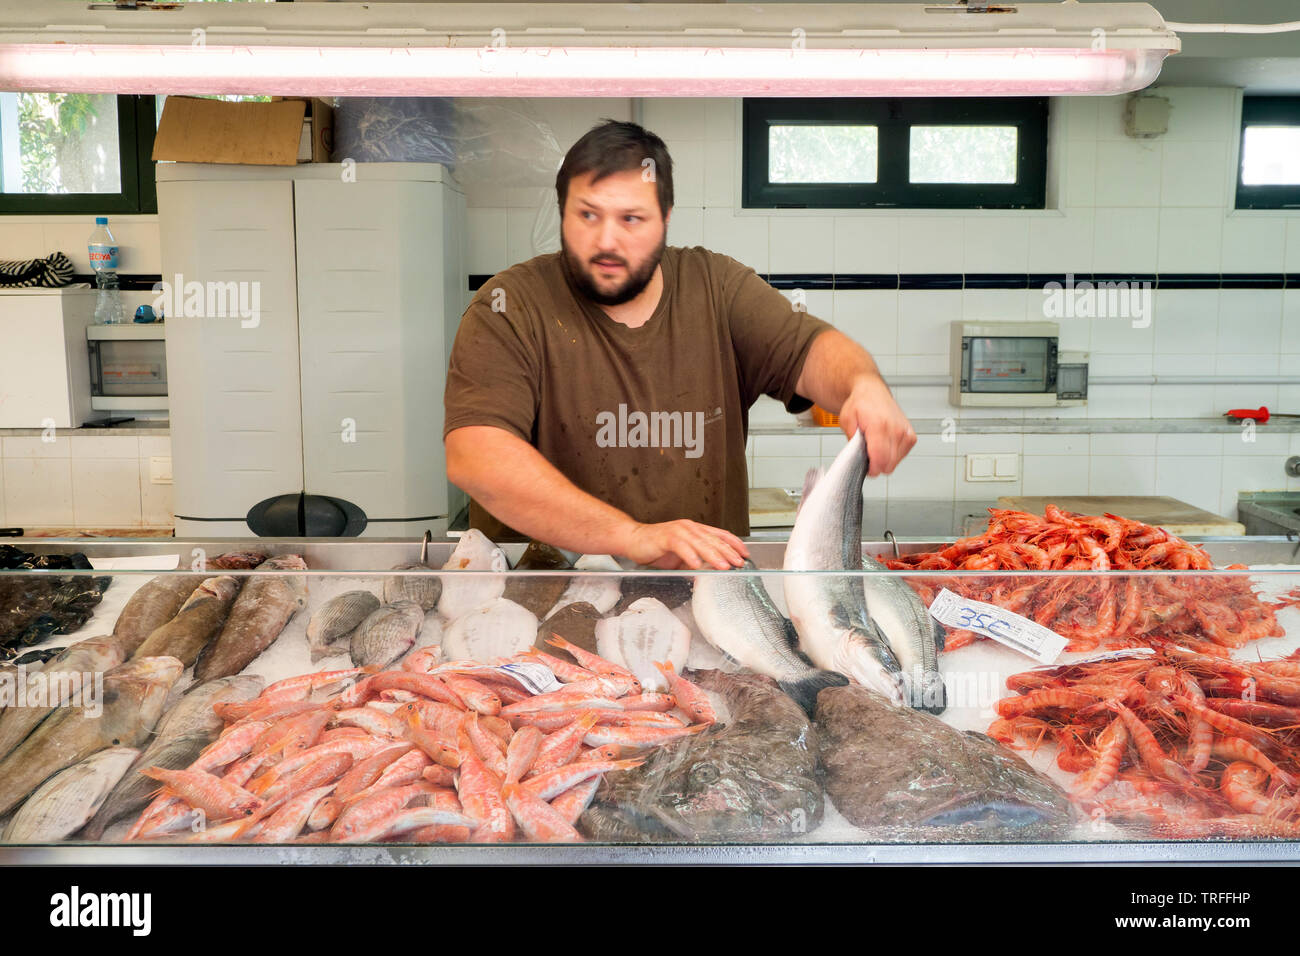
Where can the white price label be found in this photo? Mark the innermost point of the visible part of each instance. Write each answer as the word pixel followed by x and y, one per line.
pixel 1006 627
pixel 534 677
pixel 1114 655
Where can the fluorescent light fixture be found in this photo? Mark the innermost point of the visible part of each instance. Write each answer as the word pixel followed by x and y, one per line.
pixel 567 49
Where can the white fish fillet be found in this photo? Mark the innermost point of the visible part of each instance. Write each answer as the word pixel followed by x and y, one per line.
pixel 65 803
pixel 460 595
pixel 500 628
pixel 643 634
pixel 602 592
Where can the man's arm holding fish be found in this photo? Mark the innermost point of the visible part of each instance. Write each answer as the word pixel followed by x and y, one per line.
pixel 513 481
pixel 840 374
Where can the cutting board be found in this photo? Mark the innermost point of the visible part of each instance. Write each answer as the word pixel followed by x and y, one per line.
pixel 1176 517
pixel 771 508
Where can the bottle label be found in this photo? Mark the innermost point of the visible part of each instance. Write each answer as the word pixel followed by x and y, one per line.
pixel 102 256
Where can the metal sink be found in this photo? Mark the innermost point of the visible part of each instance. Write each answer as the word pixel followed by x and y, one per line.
pixel 1269 512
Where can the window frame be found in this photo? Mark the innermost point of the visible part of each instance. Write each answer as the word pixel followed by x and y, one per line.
pixel 1266 111
pixel 139 193
pixel 893 118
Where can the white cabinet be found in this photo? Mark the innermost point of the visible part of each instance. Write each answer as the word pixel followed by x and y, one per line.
pixel 333 388
pixel 44 366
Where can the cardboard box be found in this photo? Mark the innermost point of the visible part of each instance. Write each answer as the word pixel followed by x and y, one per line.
pixel 318 135
pixel 197 130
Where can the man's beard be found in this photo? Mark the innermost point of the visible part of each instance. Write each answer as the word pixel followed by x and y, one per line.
pixel 632 285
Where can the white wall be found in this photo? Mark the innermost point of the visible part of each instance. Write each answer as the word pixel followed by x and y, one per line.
pixel 1124 205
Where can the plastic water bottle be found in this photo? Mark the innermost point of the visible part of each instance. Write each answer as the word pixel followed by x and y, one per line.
pixel 103 259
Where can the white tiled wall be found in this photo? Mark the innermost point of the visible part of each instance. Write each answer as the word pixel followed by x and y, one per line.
pixel 83 482
pixel 1125 205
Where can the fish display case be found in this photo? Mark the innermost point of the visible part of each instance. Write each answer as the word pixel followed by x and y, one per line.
pixel 316 700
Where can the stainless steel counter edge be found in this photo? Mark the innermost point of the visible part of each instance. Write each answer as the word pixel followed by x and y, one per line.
pixel 715 854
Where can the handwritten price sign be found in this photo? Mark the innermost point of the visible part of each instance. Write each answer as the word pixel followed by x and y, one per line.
pixel 1007 628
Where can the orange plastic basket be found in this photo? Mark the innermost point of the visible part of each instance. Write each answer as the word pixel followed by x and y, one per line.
pixel 824 418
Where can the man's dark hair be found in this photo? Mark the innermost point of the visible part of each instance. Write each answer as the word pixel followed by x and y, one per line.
pixel 613 147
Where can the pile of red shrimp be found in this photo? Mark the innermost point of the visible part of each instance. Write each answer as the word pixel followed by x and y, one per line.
pixel 1211 614
pixel 1184 745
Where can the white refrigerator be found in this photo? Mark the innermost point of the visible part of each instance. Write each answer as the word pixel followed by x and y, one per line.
pixel 310 313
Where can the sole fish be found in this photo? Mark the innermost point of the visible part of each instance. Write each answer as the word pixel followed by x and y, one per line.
pixel 499 628
pixel 62 805
pixel 538 592
pixel 600 591
pixel 258 617
pixel 337 618
pixel 736 615
pixel 646 633
pixel 197 622
pixel 829 611
pixel 463 593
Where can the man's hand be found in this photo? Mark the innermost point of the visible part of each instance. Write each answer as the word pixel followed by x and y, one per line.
pixel 684 544
pixel 838 373
pixel 871 409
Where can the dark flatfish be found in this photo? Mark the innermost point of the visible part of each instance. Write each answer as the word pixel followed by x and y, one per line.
pixel 754 779
pixel 538 592
pixel 904 774
pixel 673 590
pixel 575 623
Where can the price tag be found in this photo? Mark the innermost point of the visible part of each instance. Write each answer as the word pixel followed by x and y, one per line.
pixel 534 677
pixel 1005 627
pixel 1115 655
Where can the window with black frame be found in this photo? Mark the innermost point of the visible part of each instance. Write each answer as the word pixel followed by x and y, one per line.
pixel 847 153
pixel 1268 175
pixel 70 153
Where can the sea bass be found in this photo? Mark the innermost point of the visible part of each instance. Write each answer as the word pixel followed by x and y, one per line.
pixel 133 698
pixel 257 618
pixel 63 804
pixel 753 778
pixel 197 621
pixel 913 635
pixel 183 732
pixel 736 615
pixel 829 611
pixel 66 673
pixel 893 770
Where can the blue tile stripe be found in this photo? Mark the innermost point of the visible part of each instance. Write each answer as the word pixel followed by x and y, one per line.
pixel 842 281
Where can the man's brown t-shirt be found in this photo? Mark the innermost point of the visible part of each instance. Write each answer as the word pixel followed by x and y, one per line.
pixel 651 420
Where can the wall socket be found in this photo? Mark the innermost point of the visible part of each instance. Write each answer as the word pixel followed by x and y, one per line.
pixel 160 470
pixel 992 467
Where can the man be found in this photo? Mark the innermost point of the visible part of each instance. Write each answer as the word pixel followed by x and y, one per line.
pixel 598 398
